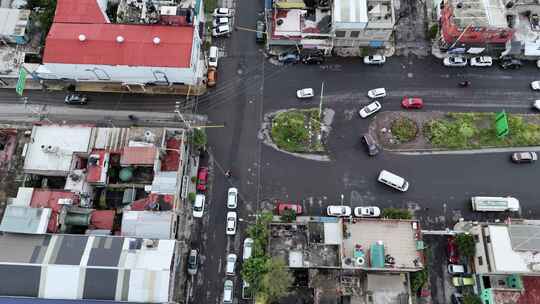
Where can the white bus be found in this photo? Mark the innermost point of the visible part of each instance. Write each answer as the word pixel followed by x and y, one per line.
pixel 486 203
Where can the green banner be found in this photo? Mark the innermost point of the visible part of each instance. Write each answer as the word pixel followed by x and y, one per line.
pixel 501 124
pixel 21 81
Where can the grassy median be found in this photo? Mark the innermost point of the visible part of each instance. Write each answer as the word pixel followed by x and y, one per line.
pixel 297 131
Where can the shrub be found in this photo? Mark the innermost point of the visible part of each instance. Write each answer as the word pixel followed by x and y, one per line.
pixel 289 215
pixel 396 213
pixel 191 197
pixel 432 31
pixel 404 129
pixel 465 243
pixel 289 131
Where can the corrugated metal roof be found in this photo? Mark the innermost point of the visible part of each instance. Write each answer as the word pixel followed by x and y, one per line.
pixel 350 11
pixel 80 11
pixel 19 219
pixel 148 224
pixel 165 182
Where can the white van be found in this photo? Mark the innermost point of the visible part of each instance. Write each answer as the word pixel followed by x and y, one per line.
pixel 213 56
pixel 394 181
pixel 486 203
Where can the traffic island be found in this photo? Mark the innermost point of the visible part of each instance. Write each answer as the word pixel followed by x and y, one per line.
pixel 453 131
pixel 298 132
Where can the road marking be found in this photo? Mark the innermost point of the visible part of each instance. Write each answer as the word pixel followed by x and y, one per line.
pixel 479 105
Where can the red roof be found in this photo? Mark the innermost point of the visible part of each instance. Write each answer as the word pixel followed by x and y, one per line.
pixel 154 201
pixel 49 199
pixel 79 11
pixel 138 156
pixel 102 219
pixel 101 47
pixel 94 171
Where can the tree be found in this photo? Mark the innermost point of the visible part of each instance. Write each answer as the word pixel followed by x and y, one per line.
pixel 199 138
pixel 288 215
pixel 45 12
pixel 253 270
pixel 471 299
pixel 466 245
pixel 277 280
pixel 396 213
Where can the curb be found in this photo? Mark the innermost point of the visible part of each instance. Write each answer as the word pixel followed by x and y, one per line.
pixel 462 152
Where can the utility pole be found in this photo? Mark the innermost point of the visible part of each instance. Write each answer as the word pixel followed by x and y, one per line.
pixel 320 103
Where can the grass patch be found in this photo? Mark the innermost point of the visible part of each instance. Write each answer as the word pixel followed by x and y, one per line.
pixel 477 130
pixel 297 131
pixel 209 6
pixel 404 129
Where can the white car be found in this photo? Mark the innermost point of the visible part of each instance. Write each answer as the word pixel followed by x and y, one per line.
pixel 481 61
pixel 231 264
pixel 375 59
pixel 367 212
pixel 220 21
pixel 222 30
pixel 231 223
pixel 377 93
pixel 535 85
pixel 455 61
pixel 222 12
pixel 198 205
pixel 228 289
pixel 456 269
pixel 232 198
pixel 305 93
pixel 370 109
pixel 248 246
pixel 339 210
pixel 536 105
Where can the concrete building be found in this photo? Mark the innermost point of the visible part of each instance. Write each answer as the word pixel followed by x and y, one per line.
pixel 14 25
pixel 474 26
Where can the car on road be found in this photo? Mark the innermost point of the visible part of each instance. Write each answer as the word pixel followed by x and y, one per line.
pixel 367 212
pixel 456 269
pixel 288 58
pixel 222 12
pixel 524 157
pixel 220 21
pixel 198 206
pixel 228 289
pixel 455 61
pixel 231 264
pixel 481 61
pixel 535 85
pixel 260 34
pixel 370 109
pixel 536 105
pixel 312 59
pixel 452 250
pixel 193 261
pixel 338 210
pixel 75 98
pixel 232 198
pixel 412 102
pixel 510 63
pixel 374 59
pixel 305 93
pixel 231 223
pixel 282 206
pixel 371 146
pixel 248 246
pixel 377 93
pixel 202 178
pixel 222 30
pixel 462 281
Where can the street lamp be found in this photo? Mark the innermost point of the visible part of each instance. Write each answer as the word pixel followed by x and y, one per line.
pixel 342 197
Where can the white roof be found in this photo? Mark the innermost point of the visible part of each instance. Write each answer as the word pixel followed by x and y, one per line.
pixel 350 12
pixel 148 224
pixel 51 147
pixel 67 274
pixel 296 259
pixel 332 233
pixel 13 21
pixel 505 259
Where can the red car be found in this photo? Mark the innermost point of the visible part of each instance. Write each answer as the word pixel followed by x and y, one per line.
pixel 282 206
pixel 202 178
pixel 452 250
pixel 412 102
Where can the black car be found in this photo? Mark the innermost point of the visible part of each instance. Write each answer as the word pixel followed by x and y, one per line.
pixel 312 59
pixel 510 63
pixel 75 98
pixel 370 144
pixel 260 34
pixel 457 298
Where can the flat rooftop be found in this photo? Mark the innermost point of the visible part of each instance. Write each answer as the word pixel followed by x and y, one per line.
pixel 479 13
pixel 394 239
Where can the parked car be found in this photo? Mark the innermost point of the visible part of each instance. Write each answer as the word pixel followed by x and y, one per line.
pixel 228 289
pixel 455 61
pixel 457 298
pixel 282 206
pixel 193 261
pixel 338 210
pixel 246 293
pixel 536 105
pixel 231 223
pixel 248 246
pixel 288 58
pixel 510 63
pixel 481 61
pixel 367 212
pixel 305 93
pixel 232 198
pixel 371 146
pixel 374 59
pixel 202 178
pixel 222 12
pixel 377 93
pixel 220 21
pixel 456 269
pixel 312 59
pixel 412 102
pixel 222 30
pixel 462 281
pixel 260 34
pixel 211 77
pixel 452 250
pixel 198 205
pixel 370 109
pixel 535 85
pixel 524 157
pixel 75 98
pixel 231 264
